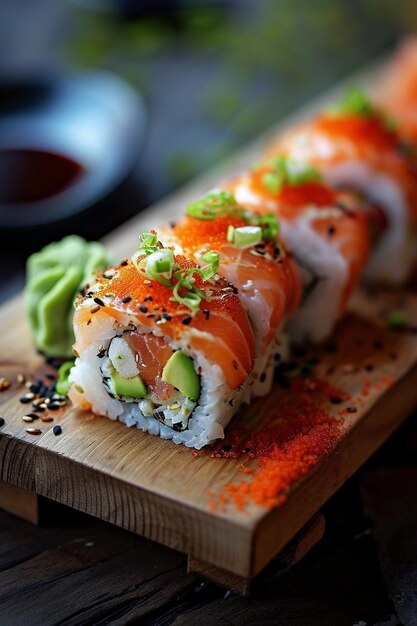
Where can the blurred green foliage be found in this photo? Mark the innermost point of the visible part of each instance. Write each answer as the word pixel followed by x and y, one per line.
pixel 270 55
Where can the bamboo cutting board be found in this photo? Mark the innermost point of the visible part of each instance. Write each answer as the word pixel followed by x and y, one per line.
pixel 185 500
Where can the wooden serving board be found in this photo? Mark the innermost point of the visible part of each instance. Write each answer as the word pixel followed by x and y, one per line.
pixel 185 500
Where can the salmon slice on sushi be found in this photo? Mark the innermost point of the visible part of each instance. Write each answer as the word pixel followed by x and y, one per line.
pixel 327 233
pixel 254 259
pixel 163 344
pixel 397 90
pixel 356 147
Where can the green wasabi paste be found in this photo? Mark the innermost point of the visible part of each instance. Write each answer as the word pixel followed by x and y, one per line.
pixel 55 275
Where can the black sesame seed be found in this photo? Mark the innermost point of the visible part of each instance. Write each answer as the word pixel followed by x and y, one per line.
pixel 167 317
pixel 57 430
pixel 143 308
pixel 50 376
pixel 206 313
pixel 277 357
pixel 2 422
pixel 235 291
pixel 331 230
pixel 336 400
pixel 369 367
pixel 227 447
pixel 99 301
pixel 262 377
pixel 123 263
pixel 247 450
pixel 351 409
pixel 187 320
pixel 126 299
pixel 55 363
pixel 148 299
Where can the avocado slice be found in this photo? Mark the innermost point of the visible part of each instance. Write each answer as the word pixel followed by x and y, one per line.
pixel 180 372
pixel 128 387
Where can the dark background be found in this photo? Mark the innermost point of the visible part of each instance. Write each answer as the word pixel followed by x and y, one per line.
pixel 213 75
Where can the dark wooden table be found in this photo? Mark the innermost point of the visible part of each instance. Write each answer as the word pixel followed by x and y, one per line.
pixel 77 570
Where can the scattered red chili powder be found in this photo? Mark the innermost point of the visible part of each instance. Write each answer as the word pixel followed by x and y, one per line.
pixel 285 440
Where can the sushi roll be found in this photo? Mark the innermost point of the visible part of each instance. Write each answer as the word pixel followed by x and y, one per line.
pixel 397 91
pixel 326 232
pixel 163 344
pixel 255 261
pixel 356 147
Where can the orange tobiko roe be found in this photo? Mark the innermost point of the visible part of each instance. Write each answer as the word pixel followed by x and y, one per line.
pixel 329 139
pixel 195 234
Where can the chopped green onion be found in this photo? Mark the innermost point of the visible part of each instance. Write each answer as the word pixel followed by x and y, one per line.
pixel 397 320
pixel 159 266
pixel 273 181
pixel 63 384
pixel 214 203
pixel 212 259
pixel 189 299
pixel 246 236
pixel 356 102
pixel 269 224
pixel 148 242
pixel 288 171
pixel 300 173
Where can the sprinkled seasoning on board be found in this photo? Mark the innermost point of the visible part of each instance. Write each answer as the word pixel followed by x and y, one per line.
pixel 279 440
pixel 286 443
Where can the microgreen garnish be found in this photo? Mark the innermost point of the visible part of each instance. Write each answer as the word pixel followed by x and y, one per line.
pixel 356 102
pixel 148 242
pixel 214 203
pixel 284 170
pixel 158 263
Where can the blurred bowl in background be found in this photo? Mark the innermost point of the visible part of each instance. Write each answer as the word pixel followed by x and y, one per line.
pixel 65 143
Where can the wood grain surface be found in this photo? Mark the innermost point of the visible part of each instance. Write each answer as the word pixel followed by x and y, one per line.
pixel 161 490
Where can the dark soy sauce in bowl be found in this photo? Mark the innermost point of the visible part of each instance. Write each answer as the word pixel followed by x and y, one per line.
pixel 66 142
pixel 30 175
